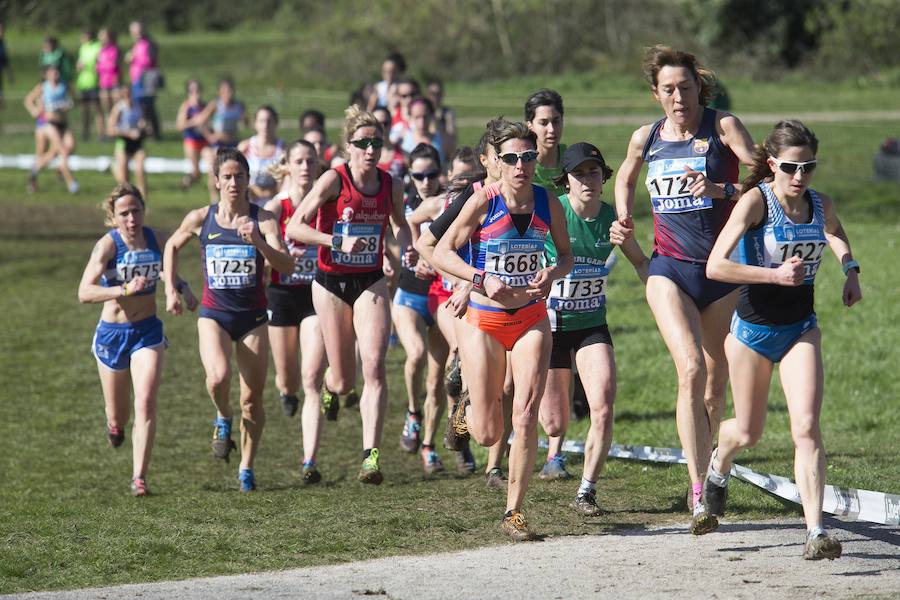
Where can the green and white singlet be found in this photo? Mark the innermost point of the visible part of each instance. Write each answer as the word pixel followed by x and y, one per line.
pixel 578 301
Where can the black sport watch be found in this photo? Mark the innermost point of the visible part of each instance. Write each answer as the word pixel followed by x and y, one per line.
pixel 729 191
pixel 336 242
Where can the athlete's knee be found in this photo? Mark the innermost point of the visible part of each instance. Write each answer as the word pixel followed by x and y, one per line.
pixel 311 382
pixel 218 378
pixel 601 416
pixel 486 433
pixel 374 372
pixel 144 407
pixel 252 408
pixel 748 437
pixel 805 430
pixel 691 371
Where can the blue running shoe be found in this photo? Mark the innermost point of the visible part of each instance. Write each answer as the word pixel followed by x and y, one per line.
pixel 555 468
pixel 222 444
pixel 248 482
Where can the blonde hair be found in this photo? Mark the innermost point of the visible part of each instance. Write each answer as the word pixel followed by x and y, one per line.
pixel 356 118
pixel 660 56
pixel 109 203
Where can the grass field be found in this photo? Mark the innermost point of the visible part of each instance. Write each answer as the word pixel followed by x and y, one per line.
pixel 66 519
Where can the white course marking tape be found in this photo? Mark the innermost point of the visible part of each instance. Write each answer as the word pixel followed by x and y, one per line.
pixel 101 163
pixel 854 504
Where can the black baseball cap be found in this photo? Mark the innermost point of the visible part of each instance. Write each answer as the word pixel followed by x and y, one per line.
pixel 580 152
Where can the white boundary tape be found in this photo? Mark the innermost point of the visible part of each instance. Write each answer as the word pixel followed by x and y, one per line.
pixel 855 505
pixel 152 164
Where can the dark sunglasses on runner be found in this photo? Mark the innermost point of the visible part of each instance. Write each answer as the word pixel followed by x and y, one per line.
pixel 790 167
pixel 363 143
pixel 425 175
pixel 511 158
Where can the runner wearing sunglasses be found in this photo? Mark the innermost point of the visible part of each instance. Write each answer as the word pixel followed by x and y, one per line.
pixel 781 227
pixel 352 205
pixel 507 224
pixel 416 327
pixel 693 154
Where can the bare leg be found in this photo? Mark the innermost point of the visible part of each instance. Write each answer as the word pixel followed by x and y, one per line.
pixel 313 369
pixel 253 360
pixel 286 356
pixel 146 367
pixel 372 324
pixel 116 395
pixel 336 323
pixel 597 366
pixel 715 320
pixel 410 328
pixel 435 395
pixel 215 354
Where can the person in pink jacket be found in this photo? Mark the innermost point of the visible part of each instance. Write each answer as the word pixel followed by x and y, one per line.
pixel 144 72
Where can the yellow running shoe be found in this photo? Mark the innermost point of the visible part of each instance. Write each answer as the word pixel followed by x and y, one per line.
pixel 370 472
pixel 516 527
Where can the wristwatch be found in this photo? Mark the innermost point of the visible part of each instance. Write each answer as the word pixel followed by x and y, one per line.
pixel 729 190
pixel 336 241
pixel 850 264
pixel 478 279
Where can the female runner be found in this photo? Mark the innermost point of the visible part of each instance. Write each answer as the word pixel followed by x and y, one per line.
pixel 235 237
pixel 507 224
pixel 693 154
pixel 122 274
pixel 781 226
pixel 191 125
pixel 263 150
pixel 351 205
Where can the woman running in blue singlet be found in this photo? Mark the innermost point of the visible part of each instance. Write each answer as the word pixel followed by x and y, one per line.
pixel 693 155
pixel 122 274
pixel 781 227
pixel 235 238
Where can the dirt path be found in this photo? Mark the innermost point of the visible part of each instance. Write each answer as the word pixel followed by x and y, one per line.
pixel 753 561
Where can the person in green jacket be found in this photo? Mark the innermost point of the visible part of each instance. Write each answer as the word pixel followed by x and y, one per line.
pixel 87 84
pixel 577 310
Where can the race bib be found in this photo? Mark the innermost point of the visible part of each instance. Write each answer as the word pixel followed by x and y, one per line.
pixel 515 262
pixel 139 263
pixel 230 267
pixel 582 290
pixel 806 242
pixel 370 256
pixel 670 191
pixel 304 267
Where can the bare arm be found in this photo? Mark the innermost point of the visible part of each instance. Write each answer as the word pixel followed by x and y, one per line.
pixel 326 189
pixel 840 245
pixel 559 231
pixel 444 256
pixel 33 102
pixel 398 221
pixel 632 251
pixel 267 239
pixel 181 121
pixel 748 213
pixel 90 290
pixel 189 228
pixel 626 179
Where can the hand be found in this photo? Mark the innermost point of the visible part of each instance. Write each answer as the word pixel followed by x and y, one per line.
pixel 173 302
pixel 700 185
pixel 423 270
pixel 852 292
pixel 387 268
pixel 138 284
pixel 495 288
pixel 539 287
pixel 409 256
pixel 247 229
pixel 190 299
pixel 352 244
pixel 621 230
pixel 459 301
pixel 790 273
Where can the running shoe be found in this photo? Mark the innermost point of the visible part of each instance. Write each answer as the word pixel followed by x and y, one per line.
pixel 516 527
pixel 495 479
pixel 289 404
pixel 115 436
pixel 714 496
pixel 453 381
pixel 586 504
pixel 822 546
pixel 555 468
pixel 139 487
pixel 351 399
pixel 222 444
pixel 465 461
pixel 311 474
pixel 703 521
pixel 330 402
pixel 431 462
pixel 411 436
pixel 248 482
pixel 73 187
pixel 457 433
pixel 370 472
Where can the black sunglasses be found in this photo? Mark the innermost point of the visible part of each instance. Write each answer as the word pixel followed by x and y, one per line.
pixel 511 158
pixel 425 175
pixel 363 143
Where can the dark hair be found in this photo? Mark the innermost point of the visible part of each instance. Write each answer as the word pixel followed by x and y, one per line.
pixel 296 144
pixel 408 81
pixel 227 80
pixel 52 42
pixel 120 191
pixel 660 56
pixel 465 154
pixel 789 133
pixel 562 180
pixel 429 106
pixel 397 59
pixel 90 32
pixel 223 155
pixel 500 130
pixel 434 81
pixel 427 151
pixel 544 97
pixel 270 109
pixel 187 85
pixel 312 113
pixel 484 141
